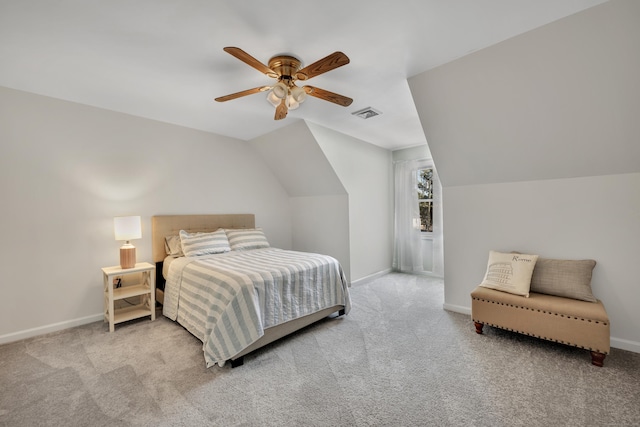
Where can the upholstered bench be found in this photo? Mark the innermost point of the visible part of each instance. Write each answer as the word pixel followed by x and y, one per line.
pixel 577 318
pixel 567 321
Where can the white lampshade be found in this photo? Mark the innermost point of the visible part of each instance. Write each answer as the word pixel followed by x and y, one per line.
pixel 127 227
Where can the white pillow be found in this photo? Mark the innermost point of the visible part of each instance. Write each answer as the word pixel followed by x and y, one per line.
pixel 195 244
pixel 242 239
pixel 509 272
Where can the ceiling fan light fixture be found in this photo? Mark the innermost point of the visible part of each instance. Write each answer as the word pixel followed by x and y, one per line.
pixel 292 104
pixel 280 90
pixel 273 99
pixel 285 95
pixel 298 94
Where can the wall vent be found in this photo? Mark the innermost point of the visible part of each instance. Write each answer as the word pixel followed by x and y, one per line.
pixel 366 113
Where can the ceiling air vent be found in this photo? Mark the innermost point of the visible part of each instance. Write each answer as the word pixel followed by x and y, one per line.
pixel 366 113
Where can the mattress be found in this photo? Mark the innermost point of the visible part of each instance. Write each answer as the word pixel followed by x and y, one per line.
pixel 228 300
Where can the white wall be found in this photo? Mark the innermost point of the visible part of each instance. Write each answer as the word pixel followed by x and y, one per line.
pixel 321 224
pixel 318 200
pixel 578 218
pixel 365 171
pixel 341 194
pixel 536 145
pixel 292 152
pixel 67 169
pixel 561 101
pixel 413 153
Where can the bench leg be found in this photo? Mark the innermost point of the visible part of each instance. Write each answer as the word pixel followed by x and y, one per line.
pixel 597 358
pixel 478 327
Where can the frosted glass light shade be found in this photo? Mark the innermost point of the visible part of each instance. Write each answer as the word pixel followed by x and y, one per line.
pixel 292 104
pixel 298 94
pixel 127 227
pixel 273 99
pixel 280 90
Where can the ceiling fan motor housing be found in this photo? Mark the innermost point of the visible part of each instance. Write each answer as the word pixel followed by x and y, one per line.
pixel 285 67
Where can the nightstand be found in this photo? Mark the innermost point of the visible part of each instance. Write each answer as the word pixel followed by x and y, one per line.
pixel 145 290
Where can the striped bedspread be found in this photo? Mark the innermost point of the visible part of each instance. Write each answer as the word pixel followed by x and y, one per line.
pixel 227 300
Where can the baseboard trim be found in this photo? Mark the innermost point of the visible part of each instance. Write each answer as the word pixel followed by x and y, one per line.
pixel 428 274
pixel 457 309
pixel 370 278
pixel 628 345
pixel 41 330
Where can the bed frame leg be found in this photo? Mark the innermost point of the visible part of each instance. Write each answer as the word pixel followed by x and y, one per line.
pixel 341 313
pixel 597 358
pixel 237 362
pixel 478 327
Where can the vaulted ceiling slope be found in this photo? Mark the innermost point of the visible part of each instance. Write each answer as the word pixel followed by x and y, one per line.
pixel 310 174
pixel 164 60
pixel 561 101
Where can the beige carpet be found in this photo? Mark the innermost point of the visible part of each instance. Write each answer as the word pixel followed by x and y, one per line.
pixel 398 359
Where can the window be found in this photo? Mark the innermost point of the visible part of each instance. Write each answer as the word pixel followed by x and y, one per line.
pixel 425 199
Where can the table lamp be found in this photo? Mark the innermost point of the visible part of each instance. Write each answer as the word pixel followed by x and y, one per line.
pixel 127 228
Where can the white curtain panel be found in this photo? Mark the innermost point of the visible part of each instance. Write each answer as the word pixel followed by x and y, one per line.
pixel 438 237
pixel 407 253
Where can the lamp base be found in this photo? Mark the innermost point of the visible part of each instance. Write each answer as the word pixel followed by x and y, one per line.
pixel 127 256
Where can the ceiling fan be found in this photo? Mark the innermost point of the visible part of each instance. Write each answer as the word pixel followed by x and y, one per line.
pixel 285 95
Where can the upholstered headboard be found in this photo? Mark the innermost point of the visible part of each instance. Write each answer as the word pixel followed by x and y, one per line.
pixel 170 225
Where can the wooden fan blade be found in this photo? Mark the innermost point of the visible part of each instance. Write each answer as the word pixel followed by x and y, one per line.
pixel 281 111
pixel 250 60
pixel 243 93
pixel 328 63
pixel 328 96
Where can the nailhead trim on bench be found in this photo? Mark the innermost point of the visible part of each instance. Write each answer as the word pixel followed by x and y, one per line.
pixel 540 311
pixel 538 336
pixel 541 337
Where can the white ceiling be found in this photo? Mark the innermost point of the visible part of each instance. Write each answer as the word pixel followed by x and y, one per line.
pixel 164 60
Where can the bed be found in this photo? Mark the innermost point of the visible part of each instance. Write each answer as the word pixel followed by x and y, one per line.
pixel 236 301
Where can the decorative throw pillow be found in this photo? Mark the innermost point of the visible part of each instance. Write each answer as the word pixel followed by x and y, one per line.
pixel 173 246
pixel 195 244
pixel 509 272
pixel 242 239
pixel 564 278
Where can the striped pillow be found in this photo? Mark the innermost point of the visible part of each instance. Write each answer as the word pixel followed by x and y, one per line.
pixel 242 239
pixel 195 244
